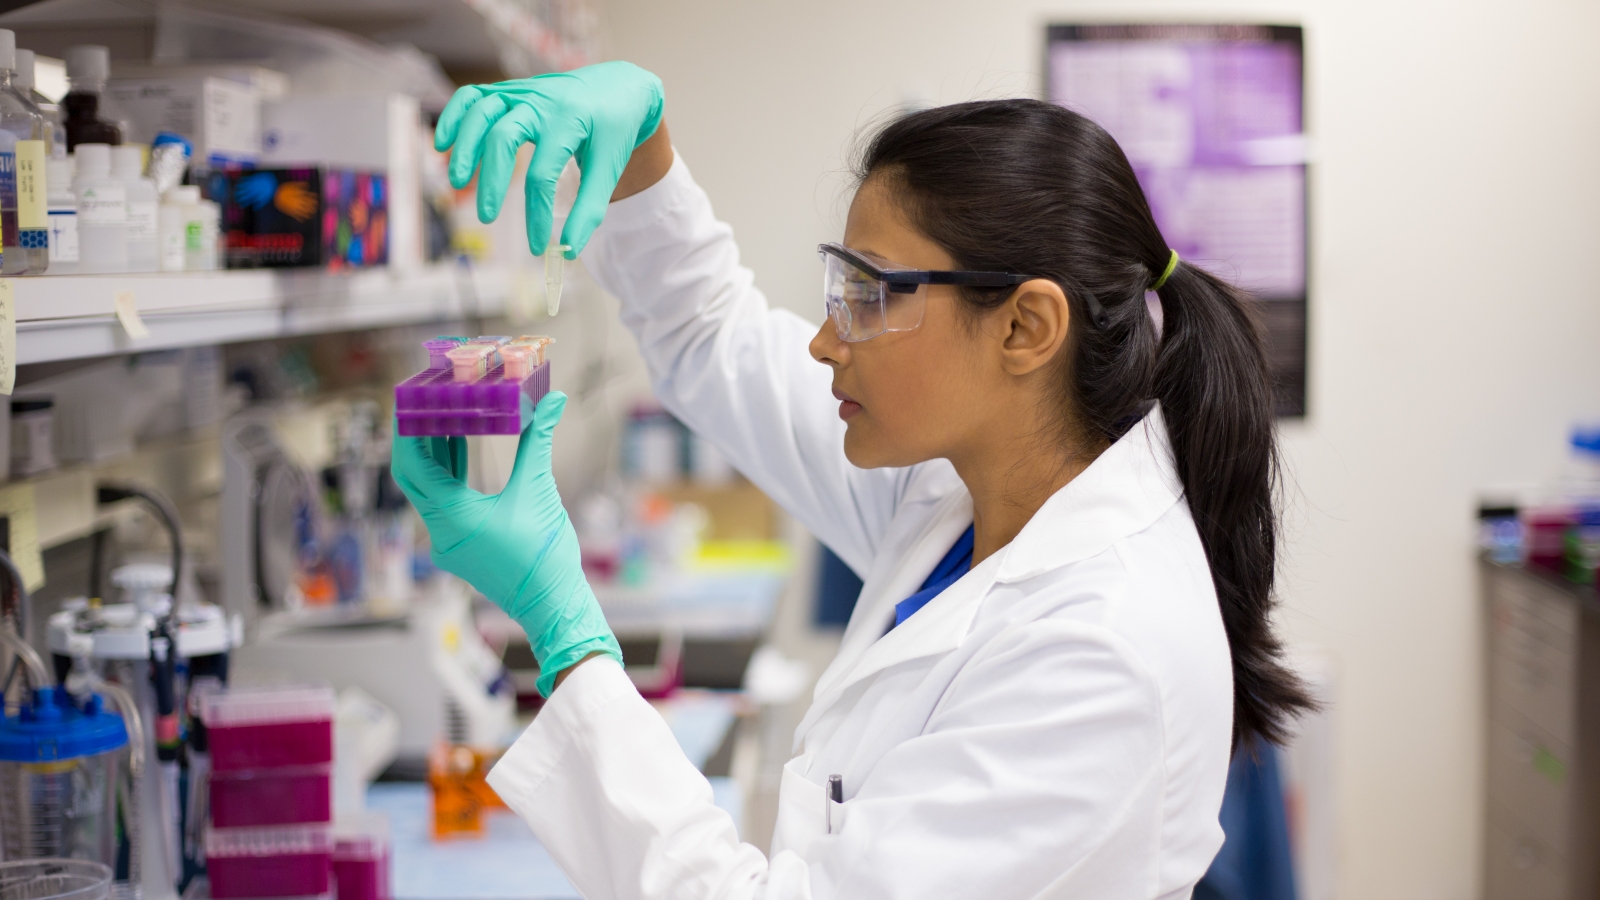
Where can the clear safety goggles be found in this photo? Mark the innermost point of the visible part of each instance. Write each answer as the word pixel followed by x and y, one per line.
pixel 866 296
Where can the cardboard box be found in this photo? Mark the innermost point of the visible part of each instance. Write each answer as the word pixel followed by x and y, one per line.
pixel 220 117
pixel 304 216
pixel 363 133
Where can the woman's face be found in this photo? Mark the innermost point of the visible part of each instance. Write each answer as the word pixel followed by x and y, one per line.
pixel 910 396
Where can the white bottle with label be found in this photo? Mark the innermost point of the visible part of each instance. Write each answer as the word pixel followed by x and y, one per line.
pixel 62 209
pixel 171 232
pixel 210 231
pixel 102 212
pixel 127 166
pixel 186 198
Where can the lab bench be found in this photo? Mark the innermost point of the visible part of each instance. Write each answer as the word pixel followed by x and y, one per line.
pixel 1543 767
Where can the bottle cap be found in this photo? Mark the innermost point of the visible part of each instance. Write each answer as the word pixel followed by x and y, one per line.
pixel 91 61
pixel 127 161
pixel 94 160
pixel 23 77
pixel 8 49
pixel 184 195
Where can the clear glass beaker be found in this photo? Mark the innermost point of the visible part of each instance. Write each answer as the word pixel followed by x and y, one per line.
pixel 58 778
pixel 54 879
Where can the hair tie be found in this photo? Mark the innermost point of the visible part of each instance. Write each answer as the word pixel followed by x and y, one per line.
pixel 1172 263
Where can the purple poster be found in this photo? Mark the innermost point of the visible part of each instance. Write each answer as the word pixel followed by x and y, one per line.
pixel 1211 118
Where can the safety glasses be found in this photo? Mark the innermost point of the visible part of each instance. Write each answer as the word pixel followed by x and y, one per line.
pixel 866 296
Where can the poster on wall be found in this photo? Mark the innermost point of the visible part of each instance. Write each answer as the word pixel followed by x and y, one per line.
pixel 1211 118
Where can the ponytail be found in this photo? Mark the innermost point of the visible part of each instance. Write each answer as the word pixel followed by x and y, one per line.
pixel 1211 378
pixel 1027 186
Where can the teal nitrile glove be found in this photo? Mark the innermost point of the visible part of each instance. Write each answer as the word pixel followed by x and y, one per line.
pixel 598 113
pixel 516 547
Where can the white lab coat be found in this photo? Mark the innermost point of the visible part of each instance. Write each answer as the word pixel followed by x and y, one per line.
pixel 1055 724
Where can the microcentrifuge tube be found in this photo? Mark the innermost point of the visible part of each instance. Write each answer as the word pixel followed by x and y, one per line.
pixel 554 261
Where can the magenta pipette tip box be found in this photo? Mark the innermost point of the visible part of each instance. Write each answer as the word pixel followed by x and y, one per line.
pixel 467 388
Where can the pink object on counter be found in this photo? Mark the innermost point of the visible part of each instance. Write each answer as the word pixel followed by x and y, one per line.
pixel 269 727
pixel 438 402
pixel 284 796
pixel 287 861
pixel 361 860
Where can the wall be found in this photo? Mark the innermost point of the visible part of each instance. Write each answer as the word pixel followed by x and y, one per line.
pixel 1454 316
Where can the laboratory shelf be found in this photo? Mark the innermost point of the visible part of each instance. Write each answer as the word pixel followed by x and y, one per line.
pixel 75 316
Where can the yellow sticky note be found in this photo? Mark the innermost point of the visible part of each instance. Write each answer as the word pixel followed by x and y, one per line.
pixel 16 504
pixel 8 335
pixel 127 307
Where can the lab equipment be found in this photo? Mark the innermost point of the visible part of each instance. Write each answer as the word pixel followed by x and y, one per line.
pixel 304 216
pixel 169 160
pixel 102 211
pixel 554 266
pixel 466 391
pixel 32 436
pixel 127 166
pixel 288 795
pixel 460 793
pixel 61 207
pixel 55 133
pixel 22 156
pixel 220 116
pixel 55 879
pixel 58 778
pixel 518 547
pixel 599 113
pixel 88 67
pixel 361 849
pixel 269 727
pixel 283 861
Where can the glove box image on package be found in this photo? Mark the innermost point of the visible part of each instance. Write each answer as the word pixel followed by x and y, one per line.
pixel 308 216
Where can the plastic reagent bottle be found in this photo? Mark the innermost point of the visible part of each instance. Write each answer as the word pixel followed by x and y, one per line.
pixel 127 166
pixel 55 133
pixel 170 231
pixel 26 247
pixel 62 207
pixel 102 212
pixel 88 67
pixel 186 198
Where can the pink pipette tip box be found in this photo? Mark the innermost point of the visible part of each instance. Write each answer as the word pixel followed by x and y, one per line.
pixel 448 400
pixel 287 861
pixel 283 796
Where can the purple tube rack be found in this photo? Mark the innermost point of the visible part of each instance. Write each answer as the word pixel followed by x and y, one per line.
pixel 432 403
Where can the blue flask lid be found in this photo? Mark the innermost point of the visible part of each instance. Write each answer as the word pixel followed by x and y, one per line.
pixel 51 727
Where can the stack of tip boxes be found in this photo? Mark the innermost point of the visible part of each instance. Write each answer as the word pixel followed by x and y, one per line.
pixel 473 386
pixel 271 797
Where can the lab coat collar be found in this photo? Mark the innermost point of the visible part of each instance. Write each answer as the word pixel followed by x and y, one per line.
pixel 1124 491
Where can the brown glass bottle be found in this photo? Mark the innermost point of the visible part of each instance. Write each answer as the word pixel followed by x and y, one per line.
pixel 83 122
pixel 88 67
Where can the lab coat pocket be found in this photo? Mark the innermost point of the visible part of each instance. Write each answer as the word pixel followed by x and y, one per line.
pixel 802 809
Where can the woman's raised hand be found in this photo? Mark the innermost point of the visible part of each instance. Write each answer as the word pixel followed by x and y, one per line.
pixel 597 114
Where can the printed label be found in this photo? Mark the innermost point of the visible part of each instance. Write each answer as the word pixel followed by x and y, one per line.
pixel 8 198
pixel 142 220
pixel 64 235
pixel 192 235
pixel 32 212
pixel 106 205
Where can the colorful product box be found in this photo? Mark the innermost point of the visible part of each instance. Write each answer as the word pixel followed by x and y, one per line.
pixel 305 216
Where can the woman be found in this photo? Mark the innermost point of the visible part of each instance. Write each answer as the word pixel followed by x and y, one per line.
pixel 1063 519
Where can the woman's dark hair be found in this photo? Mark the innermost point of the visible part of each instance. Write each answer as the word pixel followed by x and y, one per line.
pixel 1031 187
